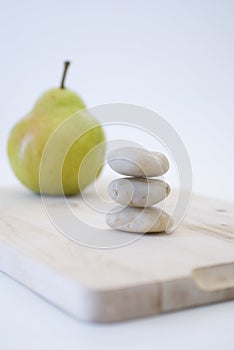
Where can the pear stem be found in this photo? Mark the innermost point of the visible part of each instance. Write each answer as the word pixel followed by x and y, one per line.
pixel 66 65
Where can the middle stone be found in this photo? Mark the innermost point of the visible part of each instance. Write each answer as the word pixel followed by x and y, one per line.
pixel 138 192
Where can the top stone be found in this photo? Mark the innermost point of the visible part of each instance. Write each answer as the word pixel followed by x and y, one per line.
pixel 137 162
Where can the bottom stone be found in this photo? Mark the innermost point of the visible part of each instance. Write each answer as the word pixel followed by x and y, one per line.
pixel 139 220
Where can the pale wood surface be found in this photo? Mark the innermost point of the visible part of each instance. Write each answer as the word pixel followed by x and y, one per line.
pixel 157 273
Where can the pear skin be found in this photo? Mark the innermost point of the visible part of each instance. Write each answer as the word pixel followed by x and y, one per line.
pixel 56 136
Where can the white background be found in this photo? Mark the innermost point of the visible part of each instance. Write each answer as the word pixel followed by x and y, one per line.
pixel 173 56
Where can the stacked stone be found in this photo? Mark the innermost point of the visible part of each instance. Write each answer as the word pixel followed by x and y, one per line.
pixel 138 192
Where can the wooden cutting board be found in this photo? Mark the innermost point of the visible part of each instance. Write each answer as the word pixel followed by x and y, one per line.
pixel 157 273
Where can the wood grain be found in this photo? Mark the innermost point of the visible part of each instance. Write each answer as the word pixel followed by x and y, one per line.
pixel 157 273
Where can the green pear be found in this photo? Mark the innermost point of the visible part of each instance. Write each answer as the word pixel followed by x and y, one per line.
pixel 47 147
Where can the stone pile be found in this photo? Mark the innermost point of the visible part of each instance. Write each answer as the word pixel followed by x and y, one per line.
pixel 138 192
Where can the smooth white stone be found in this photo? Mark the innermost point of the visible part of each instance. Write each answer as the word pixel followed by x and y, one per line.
pixel 138 192
pixel 138 162
pixel 139 220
